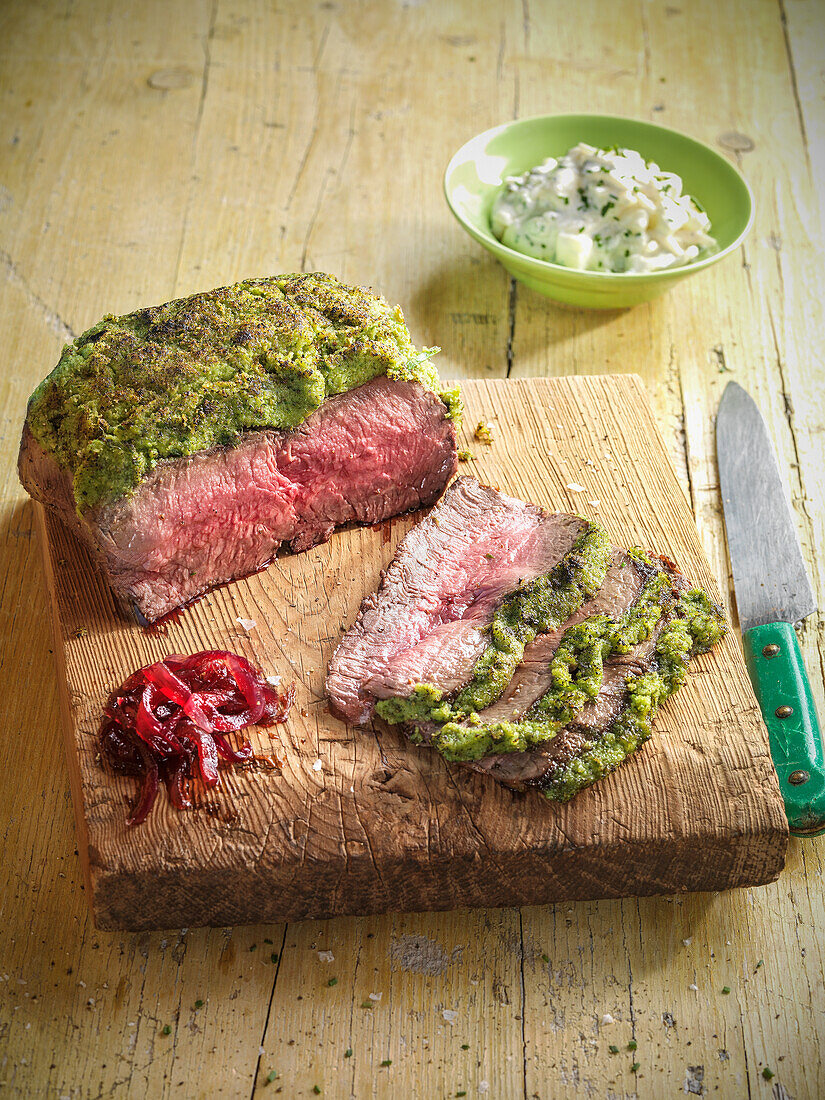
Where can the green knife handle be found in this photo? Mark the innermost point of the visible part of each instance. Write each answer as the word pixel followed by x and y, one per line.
pixel 784 694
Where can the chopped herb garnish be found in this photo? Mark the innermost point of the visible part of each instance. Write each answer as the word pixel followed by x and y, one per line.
pixel 613 1048
pixel 635 1067
pixel 166 1029
pixel 273 957
pixel 367 1004
pixel 267 941
pixel 332 981
pixel 607 206
pixel 545 958
pixel 465 1046
pixel 726 989
pixel 253 947
pixel 632 1045
pixel 387 1062
pixel 483 432
pixel 316 1089
pixel 348 1052
pixel 760 963
pixel 199 1003
pixel 465 456
pixel 767 1073
pixel 270 1077
pixel 461 1093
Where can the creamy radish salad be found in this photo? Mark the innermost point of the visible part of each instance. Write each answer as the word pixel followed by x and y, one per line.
pixel 602 210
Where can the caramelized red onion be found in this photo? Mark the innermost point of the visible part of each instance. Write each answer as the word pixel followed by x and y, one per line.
pixel 169 722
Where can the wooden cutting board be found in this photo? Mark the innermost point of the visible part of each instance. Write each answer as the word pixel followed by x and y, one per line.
pixel 358 821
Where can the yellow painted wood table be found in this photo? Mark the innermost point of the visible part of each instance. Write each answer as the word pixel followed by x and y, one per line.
pixel 153 149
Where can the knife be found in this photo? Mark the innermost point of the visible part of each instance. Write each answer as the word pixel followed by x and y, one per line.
pixel 772 593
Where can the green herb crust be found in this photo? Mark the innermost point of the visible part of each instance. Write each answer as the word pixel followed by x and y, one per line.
pixel 171 380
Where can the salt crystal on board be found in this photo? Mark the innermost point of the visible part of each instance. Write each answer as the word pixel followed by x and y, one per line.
pixel 450 1015
pixel 575 488
pixel 316 767
pixel 247 624
pixel 326 956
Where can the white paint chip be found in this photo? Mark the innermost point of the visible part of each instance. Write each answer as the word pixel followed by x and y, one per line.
pixel 573 487
pixel 316 767
pixel 247 624
pixel 326 956
pixel 450 1015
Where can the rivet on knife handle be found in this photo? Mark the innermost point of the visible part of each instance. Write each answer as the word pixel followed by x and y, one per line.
pixel 781 685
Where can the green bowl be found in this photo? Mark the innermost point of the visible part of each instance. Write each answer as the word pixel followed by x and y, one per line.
pixel 475 174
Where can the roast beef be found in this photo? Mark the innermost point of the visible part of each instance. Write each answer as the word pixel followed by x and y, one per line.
pixel 187 442
pixel 383 448
pixel 540 768
pixel 544 767
pixel 580 691
pixel 428 619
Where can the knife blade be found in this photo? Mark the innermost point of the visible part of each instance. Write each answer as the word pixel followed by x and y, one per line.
pixel 773 592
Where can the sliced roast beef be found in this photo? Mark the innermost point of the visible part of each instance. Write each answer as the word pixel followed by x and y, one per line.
pixel 529 769
pixel 622 584
pixel 383 448
pixel 580 690
pixel 427 622
pixel 539 768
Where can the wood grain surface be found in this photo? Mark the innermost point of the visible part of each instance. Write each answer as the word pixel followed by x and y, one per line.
pixel 363 822
pixel 154 149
